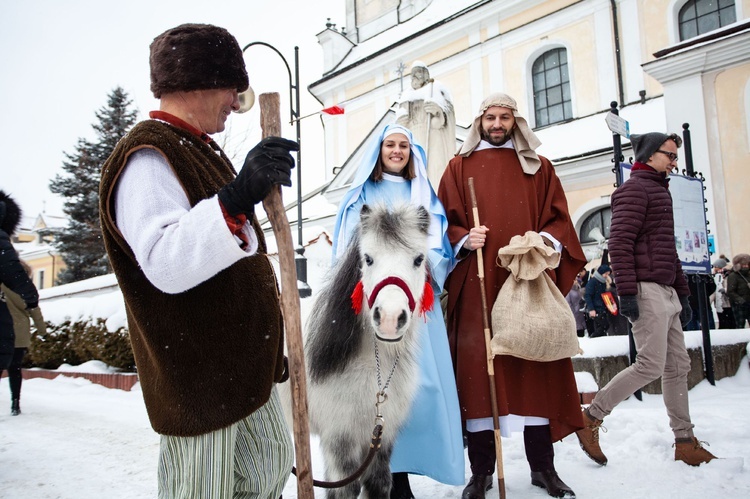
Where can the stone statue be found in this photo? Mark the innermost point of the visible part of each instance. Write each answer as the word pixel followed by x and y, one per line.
pixel 427 110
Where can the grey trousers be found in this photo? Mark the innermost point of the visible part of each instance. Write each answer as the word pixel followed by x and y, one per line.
pixel 661 352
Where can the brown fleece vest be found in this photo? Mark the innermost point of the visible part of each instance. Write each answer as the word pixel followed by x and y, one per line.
pixel 206 357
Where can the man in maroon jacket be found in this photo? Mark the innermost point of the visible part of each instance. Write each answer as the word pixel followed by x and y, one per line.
pixel 653 296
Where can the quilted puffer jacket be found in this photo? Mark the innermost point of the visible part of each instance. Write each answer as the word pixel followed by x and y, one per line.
pixel 642 239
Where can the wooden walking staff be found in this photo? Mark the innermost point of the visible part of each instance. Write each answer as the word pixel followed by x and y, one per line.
pixel 490 356
pixel 270 123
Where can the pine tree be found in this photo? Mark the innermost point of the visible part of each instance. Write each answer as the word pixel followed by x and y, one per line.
pixel 80 243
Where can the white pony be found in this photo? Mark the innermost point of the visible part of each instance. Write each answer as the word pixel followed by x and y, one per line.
pixel 362 343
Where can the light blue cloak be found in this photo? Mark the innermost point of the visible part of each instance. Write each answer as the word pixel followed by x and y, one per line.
pixel 431 442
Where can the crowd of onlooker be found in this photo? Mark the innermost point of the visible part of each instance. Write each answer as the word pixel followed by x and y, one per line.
pixel 593 299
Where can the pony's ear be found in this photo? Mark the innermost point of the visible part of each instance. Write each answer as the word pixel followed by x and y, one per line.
pixel 423 219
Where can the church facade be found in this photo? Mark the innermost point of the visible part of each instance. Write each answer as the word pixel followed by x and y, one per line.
pixel 664 63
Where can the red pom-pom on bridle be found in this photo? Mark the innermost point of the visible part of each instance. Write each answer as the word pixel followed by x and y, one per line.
pixel 428 297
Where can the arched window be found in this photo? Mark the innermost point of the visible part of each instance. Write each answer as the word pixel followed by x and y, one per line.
pixel 701 16
pixel 596 226
pixel 551 83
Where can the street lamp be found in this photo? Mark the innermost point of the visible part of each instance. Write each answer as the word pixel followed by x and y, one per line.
pixel 294 113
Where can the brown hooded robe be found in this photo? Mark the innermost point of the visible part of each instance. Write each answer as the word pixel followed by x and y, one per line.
pixel 510 202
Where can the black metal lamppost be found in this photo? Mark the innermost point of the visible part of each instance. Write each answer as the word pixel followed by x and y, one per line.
pixel 294 115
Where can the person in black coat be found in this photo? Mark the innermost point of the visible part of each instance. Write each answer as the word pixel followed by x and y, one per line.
pixel 595 307
pixel 13 276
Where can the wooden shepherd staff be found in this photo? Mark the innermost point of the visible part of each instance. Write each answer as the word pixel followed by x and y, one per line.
pixel 270 123
pixel 488 348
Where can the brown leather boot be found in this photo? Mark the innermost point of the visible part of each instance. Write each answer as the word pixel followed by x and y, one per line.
pixel 690 451
pixel 588 437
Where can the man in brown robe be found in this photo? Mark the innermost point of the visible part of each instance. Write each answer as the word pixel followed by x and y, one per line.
pixel 516 191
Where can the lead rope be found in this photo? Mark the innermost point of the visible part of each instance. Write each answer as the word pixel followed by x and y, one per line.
pixel 377 432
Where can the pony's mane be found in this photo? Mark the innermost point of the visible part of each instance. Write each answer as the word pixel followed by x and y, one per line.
pixel 333 316
pixel 394 227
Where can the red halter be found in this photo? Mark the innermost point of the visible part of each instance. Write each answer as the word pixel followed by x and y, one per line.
pixel 358 295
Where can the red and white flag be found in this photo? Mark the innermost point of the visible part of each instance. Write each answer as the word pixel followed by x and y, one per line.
pixel 333 110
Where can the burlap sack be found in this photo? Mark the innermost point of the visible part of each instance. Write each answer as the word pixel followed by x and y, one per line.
pixel 530 318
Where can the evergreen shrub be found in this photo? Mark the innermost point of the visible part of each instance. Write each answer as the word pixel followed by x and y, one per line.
pixel 77 342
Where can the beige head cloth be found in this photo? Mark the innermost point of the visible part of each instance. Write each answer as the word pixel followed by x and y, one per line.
pixel 524 140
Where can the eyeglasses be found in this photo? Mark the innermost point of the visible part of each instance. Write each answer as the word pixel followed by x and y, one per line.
pixel 672 156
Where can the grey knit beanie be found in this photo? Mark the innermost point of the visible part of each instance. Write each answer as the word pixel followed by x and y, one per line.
pixel 646 144
pixel 720 263
pixel 196 57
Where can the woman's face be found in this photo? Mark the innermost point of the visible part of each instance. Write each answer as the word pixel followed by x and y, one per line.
pixel 394 153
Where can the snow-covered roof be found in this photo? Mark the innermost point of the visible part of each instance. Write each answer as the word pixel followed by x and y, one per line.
pixel 434 14
pixel 45 220
pixel 93 285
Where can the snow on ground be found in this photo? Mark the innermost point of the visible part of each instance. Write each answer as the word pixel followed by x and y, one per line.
pixel 78 440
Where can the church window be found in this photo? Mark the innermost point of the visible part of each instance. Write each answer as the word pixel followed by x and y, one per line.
pixel 551 85
pixel 701 16
pixel 596 226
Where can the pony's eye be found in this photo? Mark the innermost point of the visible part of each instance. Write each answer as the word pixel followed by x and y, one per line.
pixel 418 260
pixel 368 260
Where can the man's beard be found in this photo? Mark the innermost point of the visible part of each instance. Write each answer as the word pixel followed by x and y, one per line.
pixel 495 142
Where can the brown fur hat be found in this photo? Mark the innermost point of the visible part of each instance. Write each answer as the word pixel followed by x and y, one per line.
pixel 196 57
pixel 739 260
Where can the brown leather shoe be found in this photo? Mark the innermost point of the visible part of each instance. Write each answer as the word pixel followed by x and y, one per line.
pixel 551 481
pixel 690 451
pixel 588 437
pixel 478 485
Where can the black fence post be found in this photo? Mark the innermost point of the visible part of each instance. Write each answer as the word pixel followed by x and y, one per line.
pixel 704 308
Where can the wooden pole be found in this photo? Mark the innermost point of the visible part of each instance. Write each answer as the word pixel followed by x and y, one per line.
pixel 270 122
pixel 488 348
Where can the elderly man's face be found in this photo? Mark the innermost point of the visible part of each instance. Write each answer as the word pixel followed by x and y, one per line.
pixel 497 123
pixel 419 77
pixel 212 108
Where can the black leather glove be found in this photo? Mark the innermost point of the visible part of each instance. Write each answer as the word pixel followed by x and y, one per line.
pixel 629 307
pixel 267 164
pixel 687 312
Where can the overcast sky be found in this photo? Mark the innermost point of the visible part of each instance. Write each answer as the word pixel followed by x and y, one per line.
pixel 60 60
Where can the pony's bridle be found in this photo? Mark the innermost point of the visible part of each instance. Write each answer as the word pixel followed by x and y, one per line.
pixel 391 280
pixel 358 295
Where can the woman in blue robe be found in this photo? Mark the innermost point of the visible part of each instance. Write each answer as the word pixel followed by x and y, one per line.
pixel 431 442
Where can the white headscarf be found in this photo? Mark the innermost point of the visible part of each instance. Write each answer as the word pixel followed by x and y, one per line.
pixel 524 140
pixel 421 190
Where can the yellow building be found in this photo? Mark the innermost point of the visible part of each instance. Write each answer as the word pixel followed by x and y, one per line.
pixel 33 242
pixel 664 62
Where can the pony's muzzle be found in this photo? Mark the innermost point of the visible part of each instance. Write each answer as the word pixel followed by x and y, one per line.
pixel 390 326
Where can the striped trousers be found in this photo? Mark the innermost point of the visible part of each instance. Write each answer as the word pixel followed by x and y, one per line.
pixel 250 459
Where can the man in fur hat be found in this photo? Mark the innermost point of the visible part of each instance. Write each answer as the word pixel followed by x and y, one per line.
pixel 13 276
pixel 189 255
pixel 653 296
pixel 517 191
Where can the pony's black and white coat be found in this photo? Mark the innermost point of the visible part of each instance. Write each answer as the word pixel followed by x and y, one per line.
pixel 340 346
